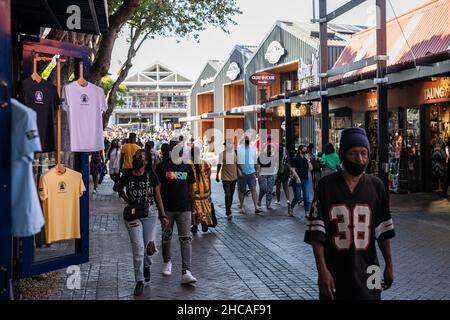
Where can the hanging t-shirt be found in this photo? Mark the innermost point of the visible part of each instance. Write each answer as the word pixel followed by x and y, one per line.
pixel 61 194
pixel 27 218
pixel 43 98
pixel 84 107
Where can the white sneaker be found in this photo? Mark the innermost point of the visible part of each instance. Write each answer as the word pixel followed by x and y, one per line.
pixel 277 202
pixel 95 191
pixel 167 268
pixel 188 278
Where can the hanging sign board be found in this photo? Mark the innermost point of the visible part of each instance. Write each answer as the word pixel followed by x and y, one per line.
pixel 263 79
pixel 233 71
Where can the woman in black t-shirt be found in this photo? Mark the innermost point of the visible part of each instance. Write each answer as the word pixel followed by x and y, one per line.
pixel 301 165
pixel 142 186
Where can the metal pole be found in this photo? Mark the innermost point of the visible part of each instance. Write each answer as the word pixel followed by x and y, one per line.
pixel 262 123
pixel 289 127
pixel 323 69
pixel 382 99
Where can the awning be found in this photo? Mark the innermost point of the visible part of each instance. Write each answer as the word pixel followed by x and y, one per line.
pixel 246 109
pixel 53 14
pixel 190 119
pixel 276 103
pixel 425 28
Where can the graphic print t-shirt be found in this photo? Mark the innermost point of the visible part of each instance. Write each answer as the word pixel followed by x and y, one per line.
pixel 60 194
pixel 27 218
pixel 175 180
pixel 140 189
pixel 84 107
pixel 43 98
pixel 348 223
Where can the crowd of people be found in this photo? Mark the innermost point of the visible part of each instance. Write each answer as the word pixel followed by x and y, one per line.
pixel 173 184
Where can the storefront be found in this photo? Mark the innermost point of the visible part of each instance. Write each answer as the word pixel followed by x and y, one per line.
pixel 288 50
pixel 419 130
pixel 202 99
pixel 229 91
pixel 25 256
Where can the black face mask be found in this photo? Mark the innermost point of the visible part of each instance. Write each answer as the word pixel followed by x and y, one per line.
pixel 354 169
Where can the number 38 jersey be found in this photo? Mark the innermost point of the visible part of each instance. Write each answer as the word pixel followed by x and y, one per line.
pixel 348 224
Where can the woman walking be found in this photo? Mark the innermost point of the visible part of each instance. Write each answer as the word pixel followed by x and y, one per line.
pixel 95 167
pixel 301 166
pixel 114 157
pixel 202 192
pixel 330 160
pixel 267 173
pixel 143 190
pixel 283 174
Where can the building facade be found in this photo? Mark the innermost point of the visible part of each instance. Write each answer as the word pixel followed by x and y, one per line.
pixel 155 96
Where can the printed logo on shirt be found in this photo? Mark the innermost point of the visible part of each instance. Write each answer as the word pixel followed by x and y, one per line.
pixel 32 134
pixel 84 99
pixel 62 187
pixel 176 175
pixel 39 97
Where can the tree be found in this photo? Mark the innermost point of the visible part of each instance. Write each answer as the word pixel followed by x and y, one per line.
pixel 178 18
pixel 143 20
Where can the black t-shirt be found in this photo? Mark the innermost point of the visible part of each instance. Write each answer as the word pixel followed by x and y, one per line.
pixel 43 98
pixel 175 180
pixel 337 218
pixel 301 167
pixel 140 189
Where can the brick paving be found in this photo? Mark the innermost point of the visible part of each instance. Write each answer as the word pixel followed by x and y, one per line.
pixel 259 257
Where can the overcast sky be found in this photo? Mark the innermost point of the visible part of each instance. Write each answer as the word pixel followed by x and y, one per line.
pixel 258 16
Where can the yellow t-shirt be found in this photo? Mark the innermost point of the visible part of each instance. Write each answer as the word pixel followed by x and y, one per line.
pixel 128 150
pixel 60 195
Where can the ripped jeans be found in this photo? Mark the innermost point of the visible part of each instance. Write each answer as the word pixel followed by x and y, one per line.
pixel 183 220
pixel 142 232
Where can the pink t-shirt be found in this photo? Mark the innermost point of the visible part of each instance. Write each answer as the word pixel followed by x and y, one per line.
pixel 84 107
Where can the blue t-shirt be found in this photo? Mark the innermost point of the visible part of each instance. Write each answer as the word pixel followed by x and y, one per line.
pixel 27 217
pixel 247 158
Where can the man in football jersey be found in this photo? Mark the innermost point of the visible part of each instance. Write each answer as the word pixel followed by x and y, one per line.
pixel 350 211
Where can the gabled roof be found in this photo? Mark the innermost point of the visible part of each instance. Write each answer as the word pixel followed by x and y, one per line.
pixel 308 32
pixel 427 29
pixel 245 50
pixel 157 71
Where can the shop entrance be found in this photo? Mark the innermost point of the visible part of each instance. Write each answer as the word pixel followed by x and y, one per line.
pixel 439 131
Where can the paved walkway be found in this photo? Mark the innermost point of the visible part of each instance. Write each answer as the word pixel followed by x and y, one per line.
pixel 260 257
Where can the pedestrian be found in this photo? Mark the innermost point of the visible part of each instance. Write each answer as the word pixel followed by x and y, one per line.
pixel 330 160
pixel 203 207
pixel 247 162
pixel 351 211
pixel 150 148
pixel 228 164
pixel 283 174
pixel 128 151
pixel 142 189
pixel 95 167
pixel 301 166
pixel 316 171
pixel 177 179
pixel 114 157
pixel 268 168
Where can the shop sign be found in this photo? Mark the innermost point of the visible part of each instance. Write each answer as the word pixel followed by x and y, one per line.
pixel 372 103
pixel 274 52
pixel 263 79
pixel 205 82
pixel 439 92
pixel 233 71
pixel 296 111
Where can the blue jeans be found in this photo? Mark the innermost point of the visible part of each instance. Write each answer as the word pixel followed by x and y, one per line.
pixel 141 232
pixel 299 188
pixel 229 187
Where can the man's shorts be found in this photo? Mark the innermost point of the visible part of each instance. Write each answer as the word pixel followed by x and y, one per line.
pixel 247 180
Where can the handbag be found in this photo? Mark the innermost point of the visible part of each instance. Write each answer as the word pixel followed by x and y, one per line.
pixel 137 211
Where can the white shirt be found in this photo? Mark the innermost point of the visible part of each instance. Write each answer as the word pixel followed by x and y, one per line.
pixel 84 107
pixel 114 159
pixel 27 217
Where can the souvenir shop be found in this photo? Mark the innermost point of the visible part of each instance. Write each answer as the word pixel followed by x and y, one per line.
pixel 50 122
pixel 419 130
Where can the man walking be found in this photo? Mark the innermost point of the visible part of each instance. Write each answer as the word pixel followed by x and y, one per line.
pixel 228 165
pixel 247 162
pixel 177 193
pixel 128 151
pixel 351 211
